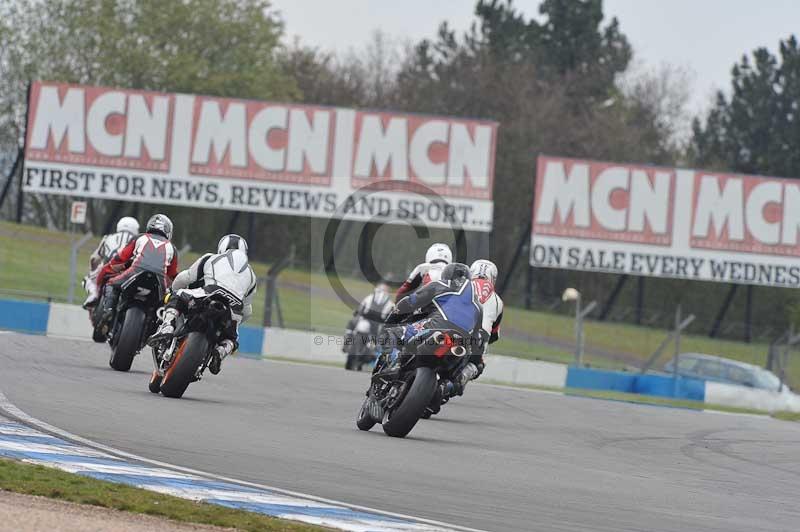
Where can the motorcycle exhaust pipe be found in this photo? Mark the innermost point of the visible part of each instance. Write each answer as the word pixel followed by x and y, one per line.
pixel 438 337
pixel 458 350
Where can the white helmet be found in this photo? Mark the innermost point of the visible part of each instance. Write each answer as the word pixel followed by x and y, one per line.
pixel 439 253
pixel 232 242
pixel 128 224
pixel 484 269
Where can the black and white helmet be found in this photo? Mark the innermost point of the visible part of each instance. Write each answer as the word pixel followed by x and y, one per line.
pixel 160 224
pixel 232 242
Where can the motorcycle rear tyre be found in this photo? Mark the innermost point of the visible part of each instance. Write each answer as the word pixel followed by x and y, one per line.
pixel 126 345
pixel 181 373
pixel 405 416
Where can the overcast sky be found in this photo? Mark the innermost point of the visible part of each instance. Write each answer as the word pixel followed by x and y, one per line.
pixel 704 36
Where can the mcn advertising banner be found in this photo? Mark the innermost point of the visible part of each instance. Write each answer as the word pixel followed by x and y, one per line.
pixel 666 222
pixel 223 153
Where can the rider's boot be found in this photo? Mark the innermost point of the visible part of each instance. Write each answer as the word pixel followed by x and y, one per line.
pixel 224 349
pixel 167 326
pixel 91 289
pixel 168 321
pixel 110 297
pixel 90 302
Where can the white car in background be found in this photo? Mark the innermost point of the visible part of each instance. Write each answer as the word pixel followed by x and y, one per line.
pixel 719 369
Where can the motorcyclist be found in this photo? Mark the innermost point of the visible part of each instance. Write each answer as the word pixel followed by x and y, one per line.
pixel 436 258
pixel 447 304
pixel 228 269
pixel 151 251
pixel 484 277
pixel 127 229
pixel 368 318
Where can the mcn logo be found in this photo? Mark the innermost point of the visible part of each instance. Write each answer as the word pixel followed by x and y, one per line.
pixel 604 201
pixel 259 140
pixel 640 204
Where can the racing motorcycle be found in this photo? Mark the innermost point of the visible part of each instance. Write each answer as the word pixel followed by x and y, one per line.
pixel 402 390
pixel 133 320
pixel 362 349
pixel 182 357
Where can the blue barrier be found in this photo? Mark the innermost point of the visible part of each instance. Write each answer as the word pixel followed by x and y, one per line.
pixel 657 385
pixel 593 379
pixel 664 386
pixel 24 316
pixel 251 339
pixel 32 317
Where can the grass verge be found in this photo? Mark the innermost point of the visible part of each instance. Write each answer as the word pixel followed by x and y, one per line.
pixel 787 416
pixel 48 482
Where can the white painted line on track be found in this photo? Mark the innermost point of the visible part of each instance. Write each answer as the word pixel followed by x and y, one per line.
pixel 11 410
pixel 739 414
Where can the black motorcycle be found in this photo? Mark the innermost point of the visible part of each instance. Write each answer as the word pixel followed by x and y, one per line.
pixel 132 321
pixel 402 390
pixel 182 357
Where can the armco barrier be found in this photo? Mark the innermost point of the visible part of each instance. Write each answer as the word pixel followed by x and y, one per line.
pixel 250 340
pixel 302 345
pixel 24 316
pixel 657 385
pixel 528 372
pixel 71 321
pixel 319 347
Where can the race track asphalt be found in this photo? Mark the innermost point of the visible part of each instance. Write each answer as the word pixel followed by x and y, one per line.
pixel 496 459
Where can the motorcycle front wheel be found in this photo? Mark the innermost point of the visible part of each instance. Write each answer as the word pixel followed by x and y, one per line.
pixel 403 417
pixel 365 421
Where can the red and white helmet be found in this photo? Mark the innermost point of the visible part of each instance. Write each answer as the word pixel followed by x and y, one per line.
pixel 439 253
pixel 484 269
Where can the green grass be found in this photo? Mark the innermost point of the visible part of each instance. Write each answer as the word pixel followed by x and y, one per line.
pixel 36 261
pixel 47 482
pixel 787 416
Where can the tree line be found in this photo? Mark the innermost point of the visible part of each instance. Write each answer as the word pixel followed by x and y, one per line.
pixel 564 83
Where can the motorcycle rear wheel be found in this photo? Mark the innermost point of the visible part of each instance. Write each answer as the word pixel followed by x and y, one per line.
pixel 188 358
pixel 403 417
pixel 127 344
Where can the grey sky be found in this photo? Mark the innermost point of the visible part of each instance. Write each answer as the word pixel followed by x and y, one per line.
pixel 704 36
